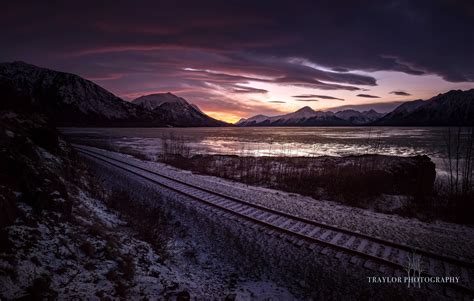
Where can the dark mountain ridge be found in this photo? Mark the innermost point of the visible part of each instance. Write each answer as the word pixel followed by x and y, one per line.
pixel 70 100
pixel 453 108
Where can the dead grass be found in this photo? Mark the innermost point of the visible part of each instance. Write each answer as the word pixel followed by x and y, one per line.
pixel 353 180
pixel 150 223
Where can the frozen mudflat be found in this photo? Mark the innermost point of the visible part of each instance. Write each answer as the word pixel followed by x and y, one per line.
pixel 439 237
pixel 282 141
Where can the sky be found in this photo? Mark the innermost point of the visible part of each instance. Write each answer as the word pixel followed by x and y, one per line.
pixel 236 59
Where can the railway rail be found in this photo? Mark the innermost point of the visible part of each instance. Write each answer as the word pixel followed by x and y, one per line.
pixel 373 253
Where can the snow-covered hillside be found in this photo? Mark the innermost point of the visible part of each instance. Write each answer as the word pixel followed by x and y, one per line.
pixel 356 117
pixel 306 116
pixel 455 107
pixel 176 110
pixel 153 101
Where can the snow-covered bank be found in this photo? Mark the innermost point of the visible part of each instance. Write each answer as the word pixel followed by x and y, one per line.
pixel 441 237
pixel 224 257
pixel 62 237
pixel 58 240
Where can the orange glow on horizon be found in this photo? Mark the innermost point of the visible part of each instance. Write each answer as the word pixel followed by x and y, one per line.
pixel 224 116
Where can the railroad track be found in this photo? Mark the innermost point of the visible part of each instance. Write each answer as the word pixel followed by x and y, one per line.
pixel 373 253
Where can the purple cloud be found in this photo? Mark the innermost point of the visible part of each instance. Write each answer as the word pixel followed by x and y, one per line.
pixel 400 93
pixel 304 96
pixel 367 96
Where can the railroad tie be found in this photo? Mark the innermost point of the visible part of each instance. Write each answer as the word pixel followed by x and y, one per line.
pixel 349 242
pixel 300 242
pixel 295 227
pixel 336 238
pixel 402 257
pixel 369 264
pixel 276 221
pixel 354 259
pixel 246 210
pixel 325 250
pixel 362 245
pixel 313 231
pixel 325 234
pixel 285 223
pixel 386 252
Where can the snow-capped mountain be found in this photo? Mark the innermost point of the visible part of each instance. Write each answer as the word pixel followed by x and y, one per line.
pixel 176 110
pixel 402 110
pixel 254 119
pixel 71 100
pixel 306 116
pixel 453 108
pixel 356 117
pixel 153 101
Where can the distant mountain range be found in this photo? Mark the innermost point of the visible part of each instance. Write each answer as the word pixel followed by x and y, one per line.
pixel 454 108
pixel 70 100
pixel 309 117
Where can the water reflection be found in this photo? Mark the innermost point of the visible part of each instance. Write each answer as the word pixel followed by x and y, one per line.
pixel 276 141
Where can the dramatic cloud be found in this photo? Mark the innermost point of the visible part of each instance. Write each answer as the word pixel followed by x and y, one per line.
pixel 303 96
pixel 308 99
pixel 367 96
pixel 250 90
pixel 393 35
pixel 229 50
pixel 400 93
pixel 276 101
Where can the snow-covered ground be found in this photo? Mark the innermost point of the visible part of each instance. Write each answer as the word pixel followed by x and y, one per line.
pixel 198 240
pixel 77 248
pixel 440 237
pixel 226 258
pixel 84 259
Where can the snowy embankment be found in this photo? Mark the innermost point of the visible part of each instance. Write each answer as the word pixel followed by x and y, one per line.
pixel 96 253
pixel 83 259
pixel 207 260
pixel 64 236
pixel 440 237
pixel 217 256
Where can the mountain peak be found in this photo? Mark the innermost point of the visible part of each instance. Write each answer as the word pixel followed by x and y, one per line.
pixel 153 101
pixel 306 109
pixel 175 108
